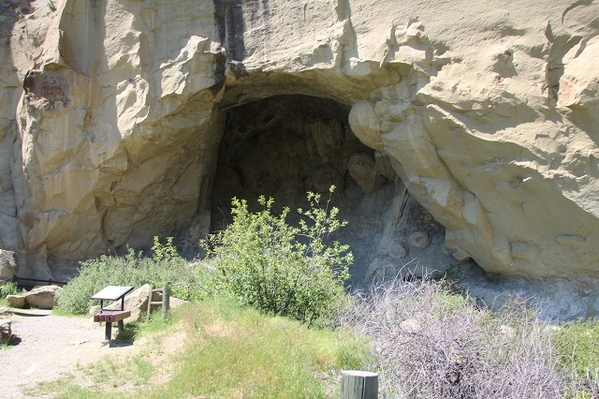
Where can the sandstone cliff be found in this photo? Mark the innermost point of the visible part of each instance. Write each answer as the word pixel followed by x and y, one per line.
pixel 116 113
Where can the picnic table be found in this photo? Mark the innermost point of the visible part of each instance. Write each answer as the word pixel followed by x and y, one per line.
pixel 112 293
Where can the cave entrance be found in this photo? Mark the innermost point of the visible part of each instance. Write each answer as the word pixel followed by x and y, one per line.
pixel 286 145
pixel 283 147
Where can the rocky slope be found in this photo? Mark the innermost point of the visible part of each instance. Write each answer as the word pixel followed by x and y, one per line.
pixel 482 117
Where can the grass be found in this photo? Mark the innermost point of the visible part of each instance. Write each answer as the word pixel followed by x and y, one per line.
pixel 217 349
pixel 8 288
pixel 240 353
pixel 577 349
pixel 578 344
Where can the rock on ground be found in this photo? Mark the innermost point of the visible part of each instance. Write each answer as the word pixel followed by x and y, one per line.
pixel 42 297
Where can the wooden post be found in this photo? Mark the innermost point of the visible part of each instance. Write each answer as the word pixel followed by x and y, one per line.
pixel 166 294
pixel 359 385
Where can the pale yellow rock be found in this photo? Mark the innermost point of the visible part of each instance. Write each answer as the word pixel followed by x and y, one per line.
pixel 112 114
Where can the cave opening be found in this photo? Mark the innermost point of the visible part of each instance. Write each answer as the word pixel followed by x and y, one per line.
pixel 287 145
pixel 283 147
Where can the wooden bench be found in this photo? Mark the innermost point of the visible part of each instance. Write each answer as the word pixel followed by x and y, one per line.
pixel 112 293
pixel 112 316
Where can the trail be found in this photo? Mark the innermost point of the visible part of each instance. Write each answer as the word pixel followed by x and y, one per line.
pixel 48 346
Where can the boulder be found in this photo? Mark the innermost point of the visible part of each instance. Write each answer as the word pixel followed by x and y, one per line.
pixel 43 297
pixel 8 265
pixel 136 302
pixel 16 301
pixel 5 332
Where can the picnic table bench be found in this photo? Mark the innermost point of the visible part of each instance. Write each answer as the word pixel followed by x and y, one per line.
pixel 112 293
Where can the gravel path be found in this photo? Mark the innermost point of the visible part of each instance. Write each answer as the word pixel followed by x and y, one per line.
pixel 49 346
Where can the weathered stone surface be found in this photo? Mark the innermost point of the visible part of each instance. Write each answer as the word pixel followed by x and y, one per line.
pixel 136 302
pixel 16 301
pixel 42 297
pixel 5 332
pixel 8 265
pixel 486 116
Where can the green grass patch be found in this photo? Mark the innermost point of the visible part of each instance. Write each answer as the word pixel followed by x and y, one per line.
pixel 8 288
pixel 237 352
pixel 578 348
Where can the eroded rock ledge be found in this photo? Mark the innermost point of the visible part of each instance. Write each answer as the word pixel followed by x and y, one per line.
pixel 483 116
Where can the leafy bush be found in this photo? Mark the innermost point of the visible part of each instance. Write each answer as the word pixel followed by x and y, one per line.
pixel 133 269
pixel 431 343
pixel 282 269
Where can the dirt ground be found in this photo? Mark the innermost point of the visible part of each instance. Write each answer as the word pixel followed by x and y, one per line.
pixel 47 346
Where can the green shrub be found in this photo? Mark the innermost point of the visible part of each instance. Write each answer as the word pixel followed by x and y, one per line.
pixel 133 269
pixel 282 269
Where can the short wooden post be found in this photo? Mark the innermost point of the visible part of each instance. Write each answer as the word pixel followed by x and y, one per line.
pixel 166 294
pixel 359 385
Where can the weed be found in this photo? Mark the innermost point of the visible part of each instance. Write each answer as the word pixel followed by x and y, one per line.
pixel 144 369
pixel 264 357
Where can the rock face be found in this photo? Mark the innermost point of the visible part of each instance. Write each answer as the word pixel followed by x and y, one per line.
pixel 126 119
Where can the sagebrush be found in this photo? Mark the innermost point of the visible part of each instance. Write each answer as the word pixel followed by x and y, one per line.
pixel 431 343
